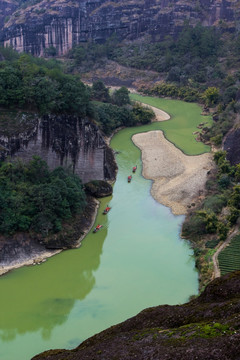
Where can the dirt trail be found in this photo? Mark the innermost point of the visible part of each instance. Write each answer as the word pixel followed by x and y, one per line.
pixel 160 115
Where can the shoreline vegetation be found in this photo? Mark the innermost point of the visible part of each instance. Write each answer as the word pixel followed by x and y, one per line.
pixel 41 256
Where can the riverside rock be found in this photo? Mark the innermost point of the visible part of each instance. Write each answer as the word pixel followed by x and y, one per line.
pixel 98 188
pixel 232 145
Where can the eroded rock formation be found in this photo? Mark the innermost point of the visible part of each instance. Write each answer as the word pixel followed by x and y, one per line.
pixel 232 146
pixel 61 141
pixel 63 24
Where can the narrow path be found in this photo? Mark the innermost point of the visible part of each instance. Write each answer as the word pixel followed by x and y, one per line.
pixel 216 270
pixel 160 115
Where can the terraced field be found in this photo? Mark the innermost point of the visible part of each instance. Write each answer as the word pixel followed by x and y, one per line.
pixel 229 258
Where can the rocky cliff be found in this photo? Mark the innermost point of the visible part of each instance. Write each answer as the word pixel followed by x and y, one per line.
pixel 61 24
pixel 207 328
pixel 59 140
pixel 232 146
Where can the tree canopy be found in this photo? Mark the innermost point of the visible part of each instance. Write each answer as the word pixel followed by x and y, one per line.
pixel 33 198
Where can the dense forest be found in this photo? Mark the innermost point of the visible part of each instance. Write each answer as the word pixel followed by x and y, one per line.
pixel 33 198
pixel 35 84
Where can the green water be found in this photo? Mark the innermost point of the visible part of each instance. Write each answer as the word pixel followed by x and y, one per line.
pixel 185 118
pixel 137 260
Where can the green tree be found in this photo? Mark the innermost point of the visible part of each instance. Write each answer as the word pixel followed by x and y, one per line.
pixel 211 96
pixel 234 200
pixel 100 92
pixel 120 97
pixel 32 198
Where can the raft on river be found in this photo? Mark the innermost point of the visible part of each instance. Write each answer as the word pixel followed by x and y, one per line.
pixel 97 228
pixel 106 210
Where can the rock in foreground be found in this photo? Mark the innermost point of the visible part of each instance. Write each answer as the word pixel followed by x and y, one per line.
pixel 206 328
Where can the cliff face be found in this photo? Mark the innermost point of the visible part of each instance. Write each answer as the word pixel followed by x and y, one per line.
pixel 207 328
pixel 63 24
pixel 61 140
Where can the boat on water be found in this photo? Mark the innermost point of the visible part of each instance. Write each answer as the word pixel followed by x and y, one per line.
pixel 97 228
pixel 134 169
pixel 129 178
pixel 106 210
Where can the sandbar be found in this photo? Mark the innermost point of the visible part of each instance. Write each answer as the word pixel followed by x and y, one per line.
pixel 178 179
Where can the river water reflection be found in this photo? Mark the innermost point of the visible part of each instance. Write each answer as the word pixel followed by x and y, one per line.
pixel 137 260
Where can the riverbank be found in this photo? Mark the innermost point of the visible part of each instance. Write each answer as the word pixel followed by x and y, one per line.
pixel 25 250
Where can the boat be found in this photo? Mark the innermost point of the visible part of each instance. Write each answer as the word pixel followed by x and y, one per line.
pixel 134 169
pixel 97 228
pixel 106 210
pixel 129 178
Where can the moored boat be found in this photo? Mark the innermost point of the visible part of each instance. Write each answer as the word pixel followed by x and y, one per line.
pixel 97 228
pixel 106 210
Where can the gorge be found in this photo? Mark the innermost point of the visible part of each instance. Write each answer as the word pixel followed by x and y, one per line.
pixel 138 259
pixel 87 288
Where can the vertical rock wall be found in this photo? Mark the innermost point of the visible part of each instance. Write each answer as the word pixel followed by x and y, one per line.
pixel 232 145
pixel 67 141
pixel 63 24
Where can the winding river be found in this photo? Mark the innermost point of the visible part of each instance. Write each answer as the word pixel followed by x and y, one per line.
pixel 136 261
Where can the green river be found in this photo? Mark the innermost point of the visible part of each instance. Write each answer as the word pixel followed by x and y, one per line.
pixel 136 261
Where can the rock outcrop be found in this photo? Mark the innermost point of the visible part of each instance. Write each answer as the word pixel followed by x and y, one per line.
pixel 59 25
pixel 232 146
pixel 98 188
pixel 207 328
pixel 60 140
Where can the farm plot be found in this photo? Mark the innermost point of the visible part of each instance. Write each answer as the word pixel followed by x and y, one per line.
pixel 229 258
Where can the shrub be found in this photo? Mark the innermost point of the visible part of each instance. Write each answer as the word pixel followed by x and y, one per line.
pixel 224 181
pixel 217 140
pixel 219 157
pixel 215 203
pixel 233 216
pixel 222 230
pixel 211 244
pixel 210 220
pixel 120 97
pixel 194 227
